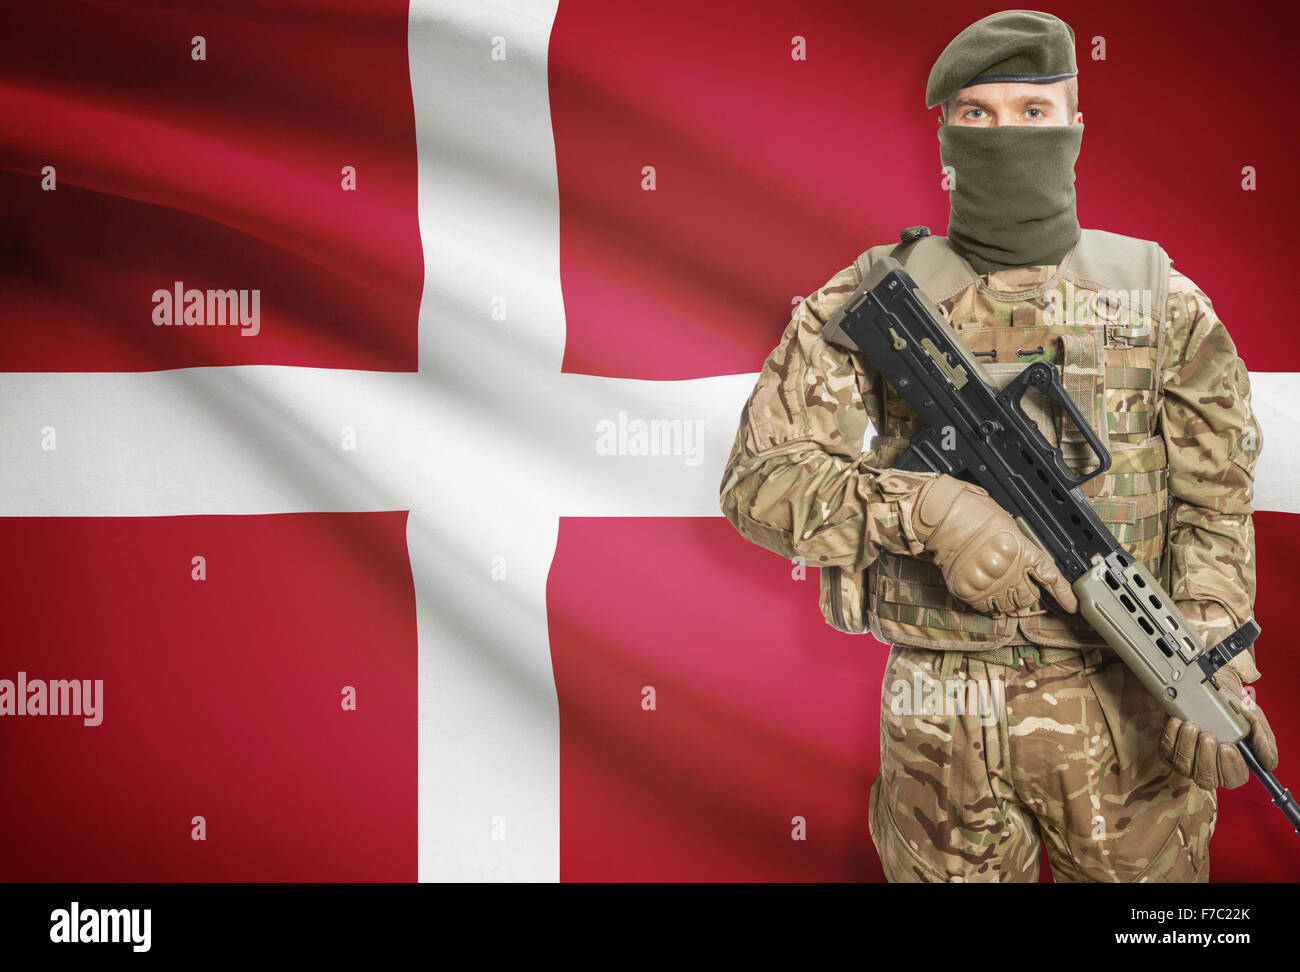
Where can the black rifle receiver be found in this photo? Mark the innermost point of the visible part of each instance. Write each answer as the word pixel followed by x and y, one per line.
pixel 974 431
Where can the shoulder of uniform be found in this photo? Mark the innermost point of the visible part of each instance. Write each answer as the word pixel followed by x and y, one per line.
pixel 871 255
pixel 1194 328
pixel 1105 260
pixel 830 296
pixel 1185 299
pixel 1180 285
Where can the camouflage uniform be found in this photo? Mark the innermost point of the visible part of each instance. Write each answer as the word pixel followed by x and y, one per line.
pixel 1066 753
pixel 1166 390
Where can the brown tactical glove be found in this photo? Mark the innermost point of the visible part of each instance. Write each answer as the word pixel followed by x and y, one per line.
pixel 1207 761
pixel 985 559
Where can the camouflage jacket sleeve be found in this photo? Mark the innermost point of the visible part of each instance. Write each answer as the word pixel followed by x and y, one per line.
pixel 1213 441
pixel 796 482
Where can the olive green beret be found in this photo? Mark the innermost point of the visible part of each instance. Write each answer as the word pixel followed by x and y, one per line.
pixel 1012 45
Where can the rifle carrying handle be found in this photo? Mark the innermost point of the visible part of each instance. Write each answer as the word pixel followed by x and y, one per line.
pixel 1042 376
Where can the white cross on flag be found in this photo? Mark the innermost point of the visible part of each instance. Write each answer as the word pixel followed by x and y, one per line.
pixel 369 372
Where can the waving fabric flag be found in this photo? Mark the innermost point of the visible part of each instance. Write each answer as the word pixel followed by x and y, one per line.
pixel 332 338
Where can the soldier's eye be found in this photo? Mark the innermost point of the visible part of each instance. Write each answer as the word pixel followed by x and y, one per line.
pixel 1034 113
pixel 974 112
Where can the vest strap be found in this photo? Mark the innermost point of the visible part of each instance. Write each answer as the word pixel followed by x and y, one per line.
pixel 909 238
pixel 1136 271
pixel 1131 269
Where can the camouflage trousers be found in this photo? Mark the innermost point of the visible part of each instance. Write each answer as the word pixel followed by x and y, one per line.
pixel 980 765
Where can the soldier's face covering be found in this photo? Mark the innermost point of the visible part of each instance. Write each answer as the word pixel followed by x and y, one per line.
pixel 1012 196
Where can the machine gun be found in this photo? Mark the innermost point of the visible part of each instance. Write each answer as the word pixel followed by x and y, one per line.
pixel 975 431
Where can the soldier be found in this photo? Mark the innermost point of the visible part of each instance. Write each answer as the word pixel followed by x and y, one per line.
pixel 1078 754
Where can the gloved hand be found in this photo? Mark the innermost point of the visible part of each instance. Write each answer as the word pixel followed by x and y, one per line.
pixel 1207 761
pixel 986 560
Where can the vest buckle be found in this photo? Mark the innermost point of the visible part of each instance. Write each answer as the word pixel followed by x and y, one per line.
pixel 1121 335
pixel 1028 651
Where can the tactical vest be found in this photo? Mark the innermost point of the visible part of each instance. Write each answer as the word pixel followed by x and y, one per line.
pixel 1103 330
